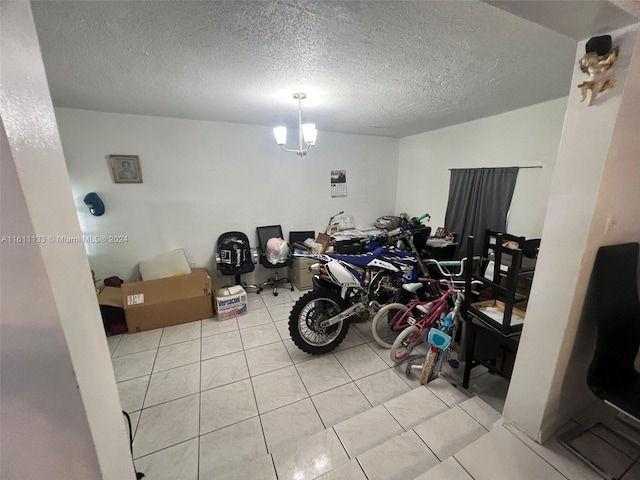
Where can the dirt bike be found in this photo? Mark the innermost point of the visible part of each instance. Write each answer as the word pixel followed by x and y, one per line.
pixel 348 287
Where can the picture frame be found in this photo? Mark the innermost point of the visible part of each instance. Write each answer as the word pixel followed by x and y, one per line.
pixel 126 168
pixel 439 232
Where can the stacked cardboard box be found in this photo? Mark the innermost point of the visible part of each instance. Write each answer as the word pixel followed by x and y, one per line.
pixel 162 302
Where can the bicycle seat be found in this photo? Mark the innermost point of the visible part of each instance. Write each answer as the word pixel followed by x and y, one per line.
pixel 412 287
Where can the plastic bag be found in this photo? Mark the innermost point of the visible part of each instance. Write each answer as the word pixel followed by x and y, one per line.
pixel 388 222
pixel 277 250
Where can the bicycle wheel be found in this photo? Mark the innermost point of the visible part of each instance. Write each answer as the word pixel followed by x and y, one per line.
pixel 383 322
pixel 429 363
pixel 405 343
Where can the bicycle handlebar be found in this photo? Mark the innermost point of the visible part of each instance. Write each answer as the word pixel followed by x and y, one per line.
pixel 445 271
pixel 400 231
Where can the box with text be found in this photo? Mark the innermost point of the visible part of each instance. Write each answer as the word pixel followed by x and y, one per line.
pixel 230 302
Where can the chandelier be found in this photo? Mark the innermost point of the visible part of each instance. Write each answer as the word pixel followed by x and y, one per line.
pixel 307 132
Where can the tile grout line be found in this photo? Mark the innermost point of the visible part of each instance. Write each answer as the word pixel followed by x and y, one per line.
pixel 166 448
pixel 365 376
pixel 227 426
pixel 273 462
pixel 310 398
pixel 461 466
pixel 157 405
pixel 335 432
pixel 427 445
pixel 199 401
pixel 255 400
pixel 117 343
pixel 153 366
pixel 474 418
pixel 154 348
pixel 148 385
pixel 358 387
pixel 252 376
pixel 133 338
pixel 147 389
pixel 633 459
pixel 362 468
pixel 532 450
pixel 627 470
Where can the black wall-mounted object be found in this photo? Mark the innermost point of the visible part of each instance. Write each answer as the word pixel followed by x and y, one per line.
pixel 95 204
pixel 601 45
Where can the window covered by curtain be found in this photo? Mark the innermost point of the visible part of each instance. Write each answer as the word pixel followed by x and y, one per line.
pixel 479 198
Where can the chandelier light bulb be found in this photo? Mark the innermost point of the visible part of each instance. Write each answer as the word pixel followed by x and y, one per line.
pixel 281 135
pixel 309 133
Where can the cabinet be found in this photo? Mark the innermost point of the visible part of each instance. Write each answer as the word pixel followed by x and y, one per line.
pixel 299 273
pixel 493 327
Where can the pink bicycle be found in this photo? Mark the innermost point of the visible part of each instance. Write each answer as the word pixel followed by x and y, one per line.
pixel 420 318
pixel 390 320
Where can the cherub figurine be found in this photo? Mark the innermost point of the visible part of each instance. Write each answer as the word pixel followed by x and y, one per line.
pixel 597 67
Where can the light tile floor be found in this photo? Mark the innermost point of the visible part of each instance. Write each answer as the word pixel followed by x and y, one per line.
pixel 236 399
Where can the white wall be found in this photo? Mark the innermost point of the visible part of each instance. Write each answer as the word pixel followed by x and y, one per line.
pixel 61 415
pixel 41 404
pixel 205 178
pixel 528 136
pixel 594 201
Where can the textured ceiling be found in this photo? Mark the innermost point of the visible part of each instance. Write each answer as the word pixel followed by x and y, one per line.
pixel 578 19
pixel 390 68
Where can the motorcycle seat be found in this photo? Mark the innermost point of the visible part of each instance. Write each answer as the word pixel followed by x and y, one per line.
pixel 361 260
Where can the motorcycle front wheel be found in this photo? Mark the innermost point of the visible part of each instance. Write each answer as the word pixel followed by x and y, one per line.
pixel 305 318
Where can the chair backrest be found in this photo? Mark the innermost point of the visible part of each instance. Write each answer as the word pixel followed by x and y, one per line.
pixel 301 236
pixel 265 233
pixel 617 307
pixel 235 253
pixel 421 237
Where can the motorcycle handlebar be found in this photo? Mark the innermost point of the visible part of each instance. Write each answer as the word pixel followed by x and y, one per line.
pixel 399 231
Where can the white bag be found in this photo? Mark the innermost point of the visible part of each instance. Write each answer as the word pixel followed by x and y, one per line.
pixel 277 250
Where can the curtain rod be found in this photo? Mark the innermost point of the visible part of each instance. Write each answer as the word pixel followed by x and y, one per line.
pixel 474 168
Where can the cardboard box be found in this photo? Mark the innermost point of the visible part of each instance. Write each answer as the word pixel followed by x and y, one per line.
pixel 111 297
pixel 494 309
pixel 230 302
pixel 324 240
pixel 163 302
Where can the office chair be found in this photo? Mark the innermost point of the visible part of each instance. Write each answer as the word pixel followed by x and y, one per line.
pixel 612 376
pixel 234 257
pixel 264 234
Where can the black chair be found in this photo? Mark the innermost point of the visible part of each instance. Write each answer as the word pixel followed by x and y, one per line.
pixel 612 376
pixel 300 236
pixel 234 256
pixel 264 234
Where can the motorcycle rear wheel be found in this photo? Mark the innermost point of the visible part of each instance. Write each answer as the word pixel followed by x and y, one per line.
pixel 305 318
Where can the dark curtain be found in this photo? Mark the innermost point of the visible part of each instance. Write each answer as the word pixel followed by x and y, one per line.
pixel 479 198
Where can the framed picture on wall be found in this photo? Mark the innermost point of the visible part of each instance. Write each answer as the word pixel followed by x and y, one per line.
pixel 126 168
